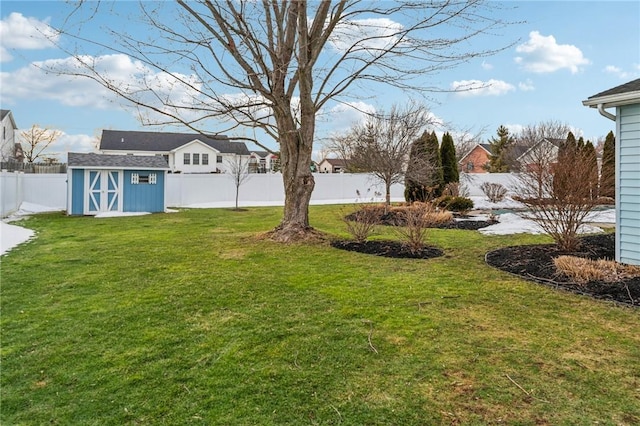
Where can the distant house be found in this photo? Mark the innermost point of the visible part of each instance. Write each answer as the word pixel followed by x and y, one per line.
pixel 183 152
pixel 262 162
pixel 99 183
pixel 542 152
pixel 626 101
pixel 477 160
pixel 332 165
pixel 10 148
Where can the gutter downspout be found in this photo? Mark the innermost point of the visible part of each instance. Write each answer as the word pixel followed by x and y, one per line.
pixel 605 113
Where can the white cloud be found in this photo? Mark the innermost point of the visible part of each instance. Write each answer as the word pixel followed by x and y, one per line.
pixel 622 74
pixel 514 129
pixel 526 86
pixel 542 54
pixel 486 66
pixel 369 34
pixel 19 32
pixel 469 88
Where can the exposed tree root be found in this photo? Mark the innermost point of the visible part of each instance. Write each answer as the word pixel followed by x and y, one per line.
pixel 296 234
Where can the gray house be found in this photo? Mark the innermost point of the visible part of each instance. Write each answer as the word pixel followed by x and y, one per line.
pixel 626 101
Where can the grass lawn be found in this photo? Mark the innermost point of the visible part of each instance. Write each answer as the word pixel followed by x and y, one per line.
pixel 189 318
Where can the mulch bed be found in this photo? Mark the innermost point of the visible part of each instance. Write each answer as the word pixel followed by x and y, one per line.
pixel 535 263
pixel 387 248
pixel 393 218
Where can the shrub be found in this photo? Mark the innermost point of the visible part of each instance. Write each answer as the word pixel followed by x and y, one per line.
pixel 495 192
pixel 455 204
pixel 362 223
pixel 417 219
pixel 581 270
pixel 455 189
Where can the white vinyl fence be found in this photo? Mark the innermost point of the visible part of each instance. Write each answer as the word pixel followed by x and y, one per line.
pixel 218 190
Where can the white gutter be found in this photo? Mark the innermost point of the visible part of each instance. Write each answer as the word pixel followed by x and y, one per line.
pixel 605 113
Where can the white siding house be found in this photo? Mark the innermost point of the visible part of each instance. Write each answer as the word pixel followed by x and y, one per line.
pixel 10 149
pixel 183 152
pixel 626 101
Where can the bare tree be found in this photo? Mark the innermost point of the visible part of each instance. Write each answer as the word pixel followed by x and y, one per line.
pixel 284 61
pixel 36 140
pixel 238 168
pixel 539 143
pixel 382 144
pixel 559 196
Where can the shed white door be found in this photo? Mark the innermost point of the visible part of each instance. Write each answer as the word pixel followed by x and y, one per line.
pixel 103 191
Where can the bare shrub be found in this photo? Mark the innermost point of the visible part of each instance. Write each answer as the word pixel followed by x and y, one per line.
pixel 362 223
pixel 495 192
pixel 418 218
pixel 558 194
pixel 581 270
pixel 455 189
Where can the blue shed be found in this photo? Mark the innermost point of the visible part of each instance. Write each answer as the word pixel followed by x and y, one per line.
pixel 99 183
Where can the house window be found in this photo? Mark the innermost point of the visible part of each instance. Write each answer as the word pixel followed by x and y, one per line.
pixel 205 159
pixel 187 158
pixel 469 166
pixel 196 159
pixel 218 159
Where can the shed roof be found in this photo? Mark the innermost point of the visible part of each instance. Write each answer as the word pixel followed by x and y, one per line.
pixel 125 140
pixel 7 112
pixel 76 160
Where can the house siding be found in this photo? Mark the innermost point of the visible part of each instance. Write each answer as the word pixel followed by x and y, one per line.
pixel 475 161
pixel 143 197
pixel 628 184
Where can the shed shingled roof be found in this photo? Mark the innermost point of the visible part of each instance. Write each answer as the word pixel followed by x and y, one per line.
pixel 125 140
pixel 82 160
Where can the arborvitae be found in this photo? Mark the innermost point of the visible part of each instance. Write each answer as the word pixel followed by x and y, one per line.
pixel 581 144
pixel 568 148
pixel 437 179
pixel 448 157
pixel 608 172
pixel 414 190
pixel 589 152
pixel 500 146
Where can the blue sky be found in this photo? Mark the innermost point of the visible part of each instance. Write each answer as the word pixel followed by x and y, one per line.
pixel 563 52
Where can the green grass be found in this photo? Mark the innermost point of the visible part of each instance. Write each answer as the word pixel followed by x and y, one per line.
pixel 189 318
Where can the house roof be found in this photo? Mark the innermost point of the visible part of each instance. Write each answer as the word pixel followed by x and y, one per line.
pixel 623 94
pixel 484 146
pixel 124 140
pixel 77 160
pixel 335 162
pixel 7 112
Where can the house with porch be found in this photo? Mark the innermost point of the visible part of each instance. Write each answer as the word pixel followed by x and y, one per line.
pixel 263 162
pixel 183 152
pixel 625 102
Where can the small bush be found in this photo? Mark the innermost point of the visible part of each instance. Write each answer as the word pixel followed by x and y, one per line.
pixel 494 191
pixel 455 204
pixel 362 223
pixel 581 270
pixel 455 189
pixel 416 219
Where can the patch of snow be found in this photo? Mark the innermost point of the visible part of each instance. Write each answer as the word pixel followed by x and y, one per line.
pixel 603 216
pixel 511 223
pixel 483 203
pixel 12 235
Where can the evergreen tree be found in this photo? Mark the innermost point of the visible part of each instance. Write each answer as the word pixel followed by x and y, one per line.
pixel 608 172
pixel 568 148
pixel 500 146
pixel 414 190
pixel 589 152
pixel 437 180
pixel 448 157
pixel 581 144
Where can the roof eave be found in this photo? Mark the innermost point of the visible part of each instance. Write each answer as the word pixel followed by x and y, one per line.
pixel 610 101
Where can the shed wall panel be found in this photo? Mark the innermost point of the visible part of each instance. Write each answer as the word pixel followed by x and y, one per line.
pixel 143 197
pixel 77 191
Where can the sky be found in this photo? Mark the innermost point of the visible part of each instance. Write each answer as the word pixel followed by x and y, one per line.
pixel 557 54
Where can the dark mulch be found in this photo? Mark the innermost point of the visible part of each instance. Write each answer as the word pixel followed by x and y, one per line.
pixel 395 218
pixel 535 263
pixel 387 248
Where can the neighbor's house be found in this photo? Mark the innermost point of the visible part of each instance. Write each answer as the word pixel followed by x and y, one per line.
pixel 263 162
pixel 523 157
pixel 10 148
pixel 332 165
pixel 183 152
pixel 477 160
pixel 626 101
pixel 99 183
